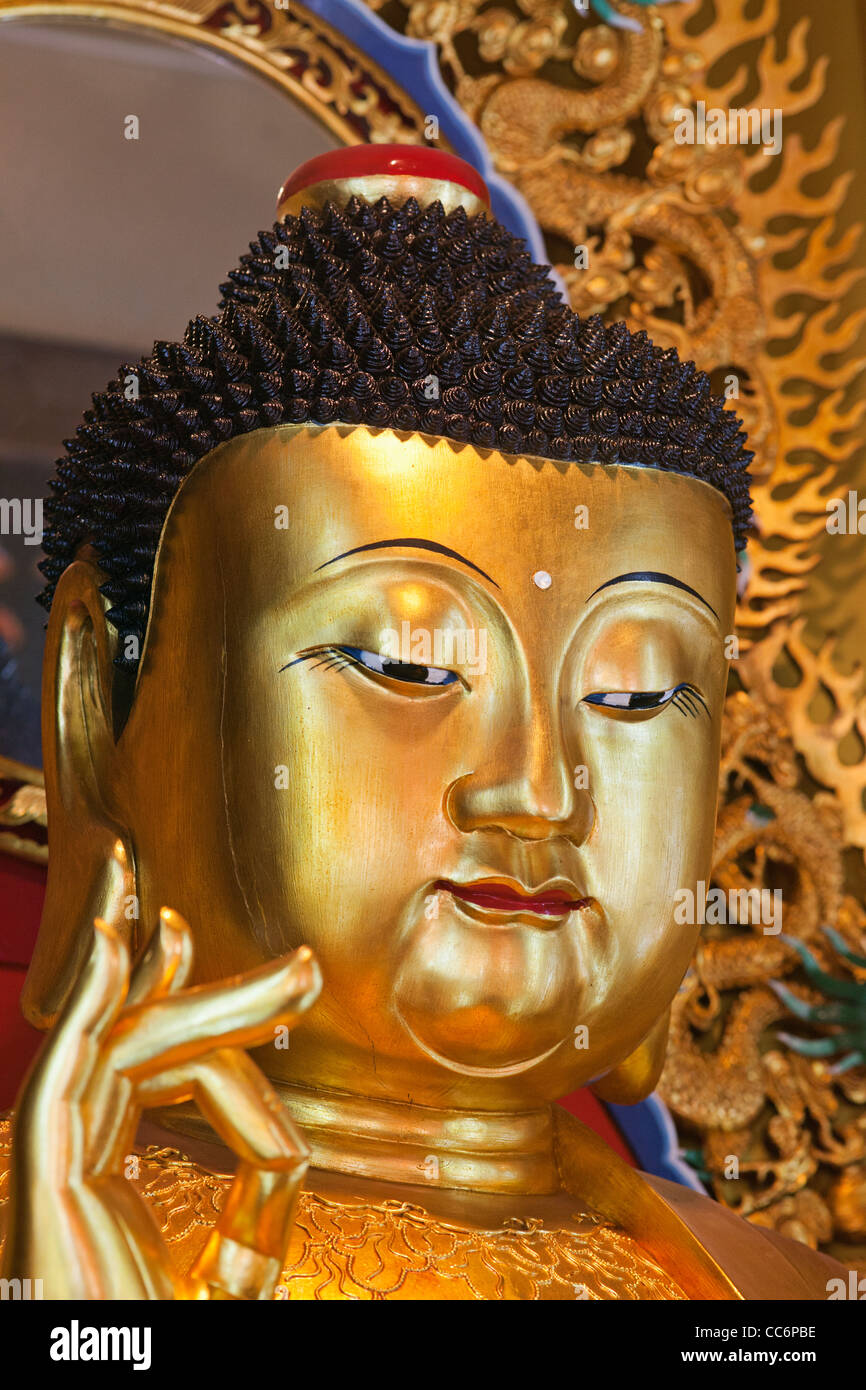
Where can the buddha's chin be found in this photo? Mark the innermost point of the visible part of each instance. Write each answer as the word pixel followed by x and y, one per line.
pixel 464 1056
pixel 489 1002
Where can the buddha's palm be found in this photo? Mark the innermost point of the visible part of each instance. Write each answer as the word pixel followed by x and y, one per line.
pixel 126 1041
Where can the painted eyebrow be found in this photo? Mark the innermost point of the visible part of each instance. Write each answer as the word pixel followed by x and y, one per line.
pixel 412 543
pixel 654 577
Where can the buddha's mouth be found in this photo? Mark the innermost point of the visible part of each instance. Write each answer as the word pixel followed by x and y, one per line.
pixel 506 897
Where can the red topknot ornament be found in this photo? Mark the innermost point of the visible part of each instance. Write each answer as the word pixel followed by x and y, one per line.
pixel 395 172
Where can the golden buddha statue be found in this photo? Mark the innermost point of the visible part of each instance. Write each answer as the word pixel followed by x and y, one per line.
pixel 384 673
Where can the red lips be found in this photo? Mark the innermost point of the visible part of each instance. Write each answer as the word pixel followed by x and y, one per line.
pixel 500 897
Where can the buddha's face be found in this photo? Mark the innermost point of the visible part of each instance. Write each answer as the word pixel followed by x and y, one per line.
pixel 452 720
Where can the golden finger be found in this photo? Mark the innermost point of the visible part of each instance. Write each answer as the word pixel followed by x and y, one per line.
pixel 246 1251
pixel 167 962
pixel 237 1100
pixel 69 1057
pixel 239 1012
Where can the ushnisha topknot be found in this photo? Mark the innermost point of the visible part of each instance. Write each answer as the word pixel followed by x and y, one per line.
pixel 397 316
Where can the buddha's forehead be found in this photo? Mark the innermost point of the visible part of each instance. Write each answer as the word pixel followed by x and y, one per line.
pixel 278 505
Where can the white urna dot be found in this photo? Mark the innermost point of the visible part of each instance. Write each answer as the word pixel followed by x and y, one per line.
pixel 541 579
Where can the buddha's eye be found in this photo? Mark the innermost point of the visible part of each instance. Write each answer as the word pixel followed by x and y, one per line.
pixel 683 697
pixel 398 670
pixel 377 664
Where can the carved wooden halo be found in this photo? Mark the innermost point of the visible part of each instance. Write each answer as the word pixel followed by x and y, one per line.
pixel 303 55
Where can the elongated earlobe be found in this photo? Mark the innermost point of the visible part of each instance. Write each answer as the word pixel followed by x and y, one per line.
pixel 90 868
pixel 637 1076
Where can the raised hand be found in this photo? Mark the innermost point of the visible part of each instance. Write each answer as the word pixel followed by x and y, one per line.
pixel 125 1041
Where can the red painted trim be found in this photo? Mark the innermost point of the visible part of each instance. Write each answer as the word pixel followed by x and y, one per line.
pixel 358 161
pixel 595 1115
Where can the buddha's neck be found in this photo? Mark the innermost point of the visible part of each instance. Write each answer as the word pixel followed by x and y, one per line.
pixel 393 1142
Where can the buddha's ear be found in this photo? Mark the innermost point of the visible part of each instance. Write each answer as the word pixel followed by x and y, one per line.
pixel 90 859
pixel 637 1077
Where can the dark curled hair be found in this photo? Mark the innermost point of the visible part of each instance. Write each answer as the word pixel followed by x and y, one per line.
pixel 400 317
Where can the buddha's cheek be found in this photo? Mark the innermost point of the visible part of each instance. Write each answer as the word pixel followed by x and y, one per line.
pixel 332 824
pixel 493 999
pixel 651 847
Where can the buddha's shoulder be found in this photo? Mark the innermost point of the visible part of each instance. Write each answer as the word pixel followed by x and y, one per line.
pixel 716 1253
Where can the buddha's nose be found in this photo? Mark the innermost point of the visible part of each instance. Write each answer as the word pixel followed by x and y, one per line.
pixel 527 787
